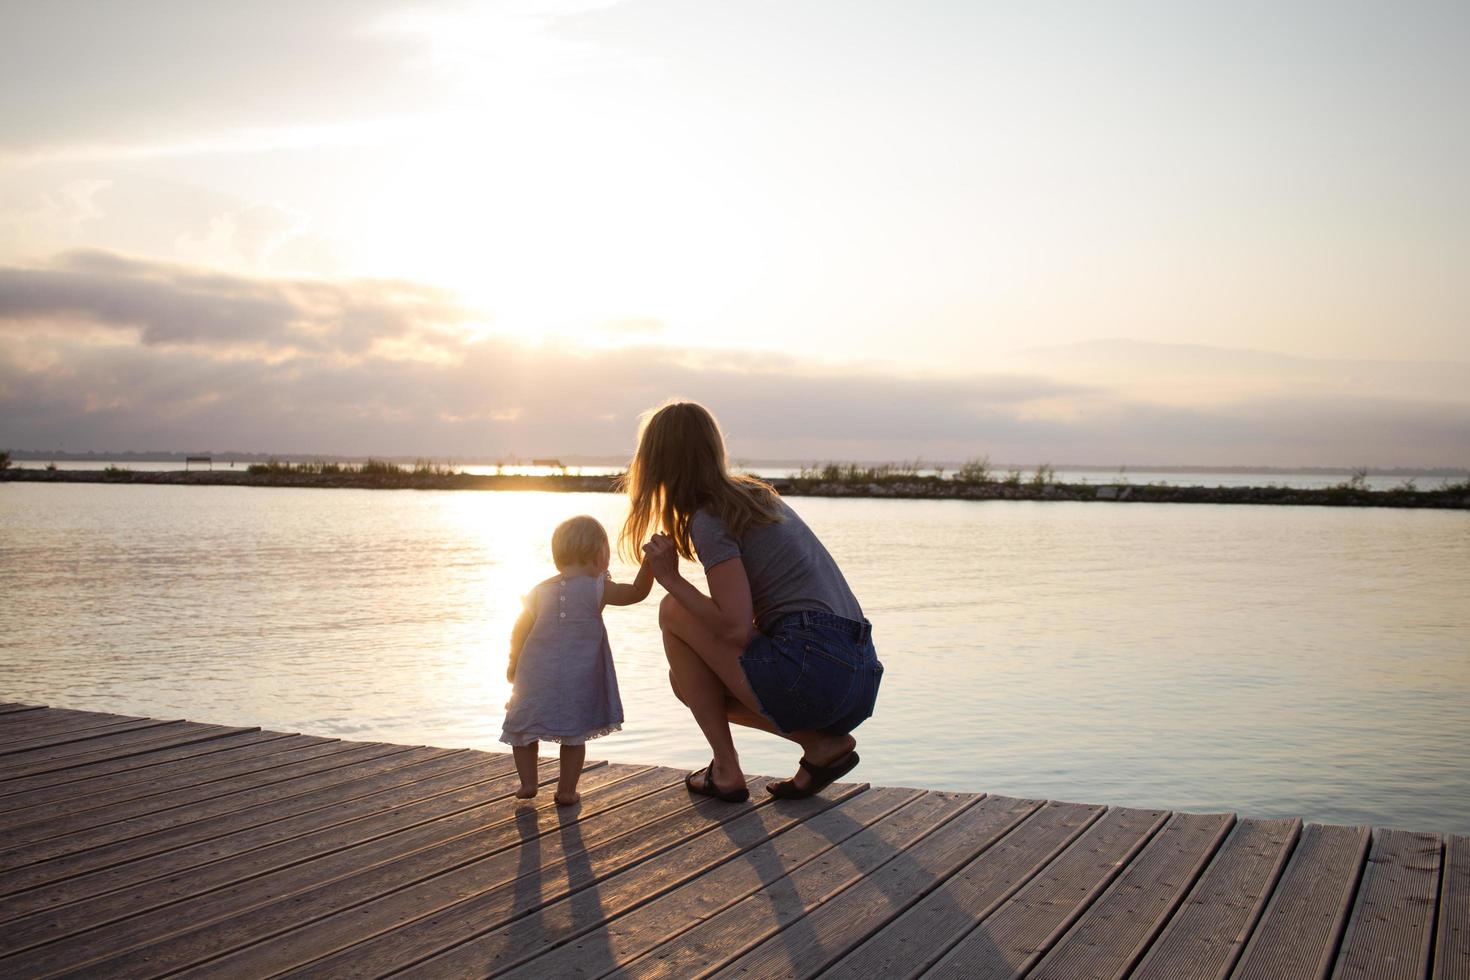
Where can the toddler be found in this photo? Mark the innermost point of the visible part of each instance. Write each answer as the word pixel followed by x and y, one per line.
pixel 560 663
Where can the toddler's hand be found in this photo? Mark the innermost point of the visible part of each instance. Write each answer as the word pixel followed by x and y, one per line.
pixel 661 558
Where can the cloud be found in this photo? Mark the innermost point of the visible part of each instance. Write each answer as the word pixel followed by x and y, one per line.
pixel 106 351
pixel 180 305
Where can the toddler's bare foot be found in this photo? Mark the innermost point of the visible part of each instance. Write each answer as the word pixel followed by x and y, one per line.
pixel 525 792
pixel 567 799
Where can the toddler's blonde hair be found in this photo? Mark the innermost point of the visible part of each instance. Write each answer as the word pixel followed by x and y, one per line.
pixel 579 540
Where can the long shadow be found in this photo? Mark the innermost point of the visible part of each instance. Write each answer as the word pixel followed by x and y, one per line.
pixel 800 937
pixel 585 905
pixel 528 860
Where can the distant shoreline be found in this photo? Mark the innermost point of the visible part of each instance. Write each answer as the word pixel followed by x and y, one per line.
pixel 1453 497
pixel 575 461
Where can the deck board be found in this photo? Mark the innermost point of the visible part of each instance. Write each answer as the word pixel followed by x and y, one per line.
pixel 1452 935
pixel 1009 941
pixel 496 949
pixel 324 760
pixel 806 946
pixel 1389 936
pixel 51 740
pixel 1029 835
pixel 1119 927
pixel 16 728
pixel 611 944
pixel 747 923
pixel 138 838
pixel 249 909
pixel 1300 929
pixel 121 787
pixel 571 857
pixel 22 790
pixel 142 848
pixel 237 846
pixel 66 757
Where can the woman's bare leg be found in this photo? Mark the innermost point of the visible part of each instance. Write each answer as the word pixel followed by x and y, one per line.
pixel 822 748
pixel 709 679
pixel 572 758
pixel 525 756
pixel 701 689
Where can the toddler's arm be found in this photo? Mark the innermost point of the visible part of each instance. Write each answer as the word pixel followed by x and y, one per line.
pixel 518 634
pixel 626 594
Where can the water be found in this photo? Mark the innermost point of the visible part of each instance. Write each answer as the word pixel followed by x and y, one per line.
pixel 1275 661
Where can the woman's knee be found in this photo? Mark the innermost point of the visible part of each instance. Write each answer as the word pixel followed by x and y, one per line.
pixel 670 613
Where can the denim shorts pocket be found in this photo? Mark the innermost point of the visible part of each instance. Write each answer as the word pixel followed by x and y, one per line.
pixel 833 645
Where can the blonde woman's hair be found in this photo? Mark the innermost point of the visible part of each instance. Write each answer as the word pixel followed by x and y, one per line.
pixel 579 540
pixel 680 468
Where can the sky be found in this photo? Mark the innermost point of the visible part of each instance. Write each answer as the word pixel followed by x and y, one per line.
pixel 1114 234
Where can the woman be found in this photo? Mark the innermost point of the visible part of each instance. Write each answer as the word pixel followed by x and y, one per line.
pixel 780 643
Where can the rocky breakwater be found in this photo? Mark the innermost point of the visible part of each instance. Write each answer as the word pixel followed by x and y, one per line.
pixel 938 488
pixel 1456 497
pixel 401 480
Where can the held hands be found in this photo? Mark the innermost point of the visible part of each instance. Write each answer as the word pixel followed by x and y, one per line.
pixel 660 558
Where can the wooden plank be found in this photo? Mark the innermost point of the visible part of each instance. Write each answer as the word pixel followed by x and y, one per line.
pixel 165 778
pixel 482 895
pixel 912 940
pixel 833 930
pixel 721 937
pixel 111 747
pixel 42 724
pixel 437 784
pixel 47 925
pixel 104 846
pixel 46 741
pixel 1206 935
pixel 1301 928
pixel 1118 927
pixel 53 720
pixel 1392 927
pixel 13 792
pixel 87 830
pixel 1452 938
pixel 1008 942
pixel 560 920
pixel 15 707
pixel 164 940
pixel 611 944
pixel 303 754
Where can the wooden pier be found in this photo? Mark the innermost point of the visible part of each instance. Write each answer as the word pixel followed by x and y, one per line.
pixel 134 847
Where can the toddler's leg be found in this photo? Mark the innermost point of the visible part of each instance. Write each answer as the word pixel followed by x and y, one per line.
pixel 572 757
pixel 526 768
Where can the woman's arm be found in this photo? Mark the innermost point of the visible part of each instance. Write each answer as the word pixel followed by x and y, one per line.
pixel 726 612
pixel 626 594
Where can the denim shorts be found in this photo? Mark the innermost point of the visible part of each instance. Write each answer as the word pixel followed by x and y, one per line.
pixel 814 670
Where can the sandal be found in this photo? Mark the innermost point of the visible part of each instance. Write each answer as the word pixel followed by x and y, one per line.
pixel 707 787
pixel 822 777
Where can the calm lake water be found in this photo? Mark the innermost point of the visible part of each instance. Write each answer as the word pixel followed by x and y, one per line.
pixel 1274 661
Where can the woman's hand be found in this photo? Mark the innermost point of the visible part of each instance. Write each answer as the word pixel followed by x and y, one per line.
pixel 660 558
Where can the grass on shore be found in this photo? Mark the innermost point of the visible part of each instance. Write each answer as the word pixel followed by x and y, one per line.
pixel 369 467
pixel 978 471
pixel 974 472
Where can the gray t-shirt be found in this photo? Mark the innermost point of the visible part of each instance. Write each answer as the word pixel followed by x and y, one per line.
pixel 789 570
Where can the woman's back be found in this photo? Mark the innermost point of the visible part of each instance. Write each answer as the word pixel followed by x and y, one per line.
pixel 788 567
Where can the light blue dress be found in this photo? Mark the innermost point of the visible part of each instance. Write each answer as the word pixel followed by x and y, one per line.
pixel 566 689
